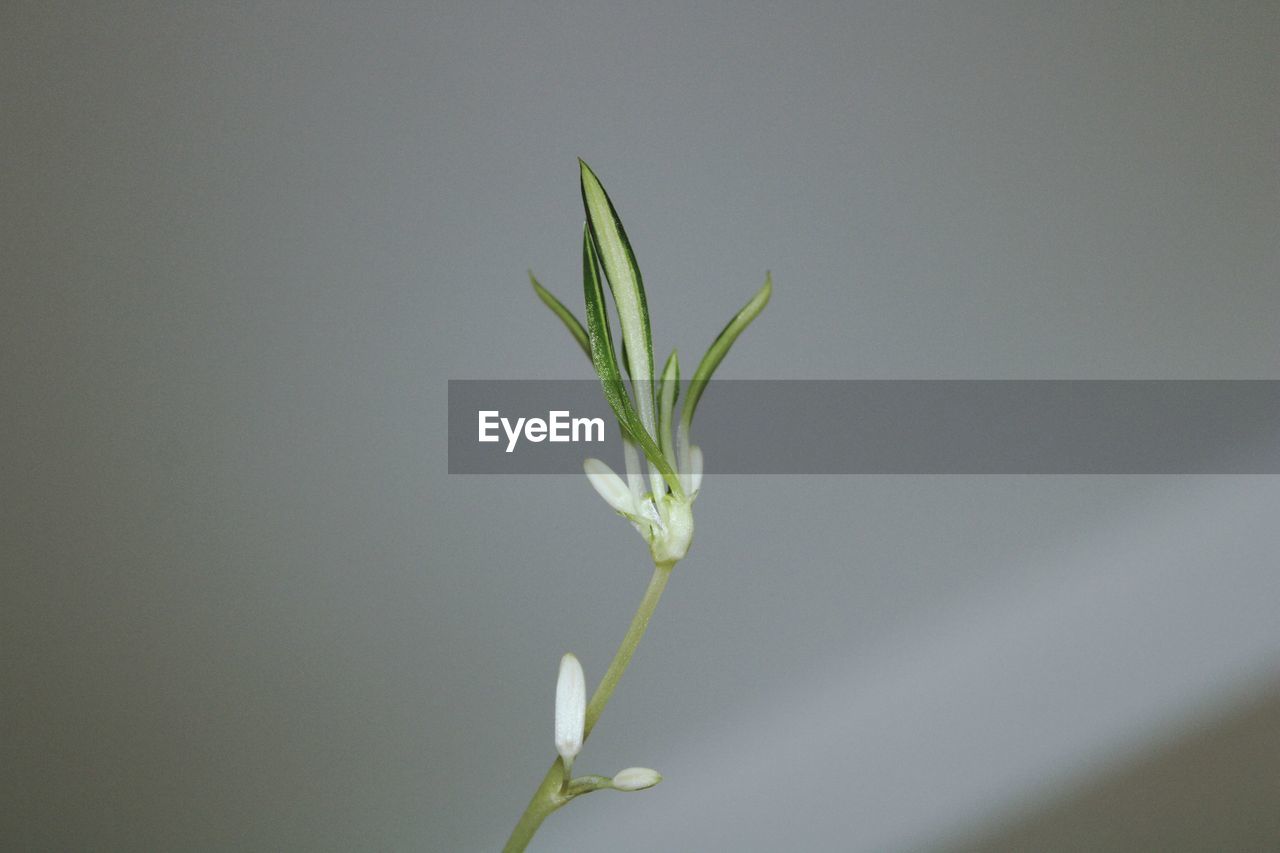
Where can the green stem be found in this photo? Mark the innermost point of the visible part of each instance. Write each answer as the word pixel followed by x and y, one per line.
pixel 551 793
pixel 587 784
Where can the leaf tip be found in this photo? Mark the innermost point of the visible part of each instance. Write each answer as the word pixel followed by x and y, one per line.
pixel 588 176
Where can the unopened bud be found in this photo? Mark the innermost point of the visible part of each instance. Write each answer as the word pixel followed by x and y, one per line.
pixel 571 708
pixel 636 779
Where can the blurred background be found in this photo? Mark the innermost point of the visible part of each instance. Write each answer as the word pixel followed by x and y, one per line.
pixel 243 605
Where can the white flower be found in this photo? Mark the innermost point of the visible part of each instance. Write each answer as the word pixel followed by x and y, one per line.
pixel 571 709
pixel 667 522
pixel 636 779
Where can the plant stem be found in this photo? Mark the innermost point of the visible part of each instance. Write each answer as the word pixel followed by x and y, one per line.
pixel 550 794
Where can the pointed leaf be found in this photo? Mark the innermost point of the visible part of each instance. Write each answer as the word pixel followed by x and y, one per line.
pixel 566 316
pixel 720 346
pixel 606 365
pixel 623 274
pixel 668 390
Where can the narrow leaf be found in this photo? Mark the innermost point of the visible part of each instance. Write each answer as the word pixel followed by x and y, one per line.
pixel 606 365
pixel 668 390
pixel 720 346
pixel 566 316
pixel 625 283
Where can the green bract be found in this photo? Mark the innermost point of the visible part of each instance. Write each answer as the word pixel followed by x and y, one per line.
pixel 620 268
pixel 606 365
pixel 668 391
pixel 566 316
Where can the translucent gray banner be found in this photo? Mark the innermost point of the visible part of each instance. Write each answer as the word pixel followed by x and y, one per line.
pixel 890 427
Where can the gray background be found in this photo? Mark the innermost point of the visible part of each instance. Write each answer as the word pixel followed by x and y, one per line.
pixel 897 426
pixel 245 246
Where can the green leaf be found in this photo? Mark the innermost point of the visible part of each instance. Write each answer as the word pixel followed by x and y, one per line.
pixel 668 391
pixel 720 347
pixel 566 316
pixel 620 268
pixel 606 365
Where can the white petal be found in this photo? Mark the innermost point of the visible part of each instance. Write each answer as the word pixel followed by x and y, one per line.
pixel 609 486
pixel 695 469
pixel 636 779
pixel 656 482
pixel 649 511
pixel 571 708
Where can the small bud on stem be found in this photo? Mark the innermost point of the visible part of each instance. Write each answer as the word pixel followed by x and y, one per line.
pixel 571 709
pixel 636 779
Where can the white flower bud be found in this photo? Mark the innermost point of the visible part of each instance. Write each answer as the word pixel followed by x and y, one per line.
pixel 636 779
pixel 571 708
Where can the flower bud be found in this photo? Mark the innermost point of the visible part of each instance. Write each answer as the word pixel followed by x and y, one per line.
pixel 571 708
pixel 636 779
